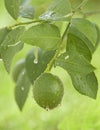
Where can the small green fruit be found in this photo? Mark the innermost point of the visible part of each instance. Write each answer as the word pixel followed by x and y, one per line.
pixel 48 91
pixel 18 68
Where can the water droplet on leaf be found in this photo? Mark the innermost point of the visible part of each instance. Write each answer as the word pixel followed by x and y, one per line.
pixel 47 108
pixel 23 73
pixel 47 15
pixel 22 88
pixel 66 57
pixel 35 61
pixel 59 105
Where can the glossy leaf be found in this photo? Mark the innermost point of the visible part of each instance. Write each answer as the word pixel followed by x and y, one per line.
pixel 87 85
pixel 79 35
pixel 36 62
pixel 26 10
pixel 10 46
pixel 22 89
pixel 98 36
pixel 45 36
pixel 12 7
pixel 18 68
pixel 81 72
pixel 8 53
pixel 87 31
pixel 3 33
pixel 74 62
pixel 59 10
pixel 76 44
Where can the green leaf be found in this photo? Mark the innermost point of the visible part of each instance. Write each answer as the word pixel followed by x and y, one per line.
pixel 13 7
pixel 45 36
pixel 77 62
pixel 76 44
pixel 10 46
pixel 8 53
pixel 27 11
pixel 21 89
pixel 98 36
pixel 87 31
pixel 18 68
pixel 79 35
pixel 36 62
pixel 3 33
pixel 59 10
pixel 87 85
pixel 74 62
pixel 81 72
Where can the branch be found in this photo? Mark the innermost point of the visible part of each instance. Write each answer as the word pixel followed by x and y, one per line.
pixel 49 66
pixel 23 23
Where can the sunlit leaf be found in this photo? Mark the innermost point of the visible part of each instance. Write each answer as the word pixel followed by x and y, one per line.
pixel 12 7
pixel 10 46
pixel 81 72
pixel 85 30
pixel 76 44
pixel 45 36
pixel 59 10
pixel 74 62
pixel 7 54
pixel 98 36
pixel 3 33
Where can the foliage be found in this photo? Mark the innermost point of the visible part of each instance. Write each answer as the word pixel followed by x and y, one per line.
pixel 47 40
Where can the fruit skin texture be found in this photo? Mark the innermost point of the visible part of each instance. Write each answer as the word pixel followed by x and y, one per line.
pixel 48 91
pixel 18 68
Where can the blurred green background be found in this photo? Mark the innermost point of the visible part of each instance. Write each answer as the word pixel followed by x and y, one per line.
pixel 77 112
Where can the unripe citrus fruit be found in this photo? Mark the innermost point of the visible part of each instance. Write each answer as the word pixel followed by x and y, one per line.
pixel 18 68
pixel 48 91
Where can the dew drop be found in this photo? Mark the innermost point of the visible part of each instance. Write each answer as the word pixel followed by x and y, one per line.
pixel 47 108
pixel 22 88
pixel 23 73
pixel 0 59
pixel 59 105
pixel 66 57
pixel 35 61
pixel 47 15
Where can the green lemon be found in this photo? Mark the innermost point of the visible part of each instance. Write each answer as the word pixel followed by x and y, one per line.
pixel 48 91
pixel 18 68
